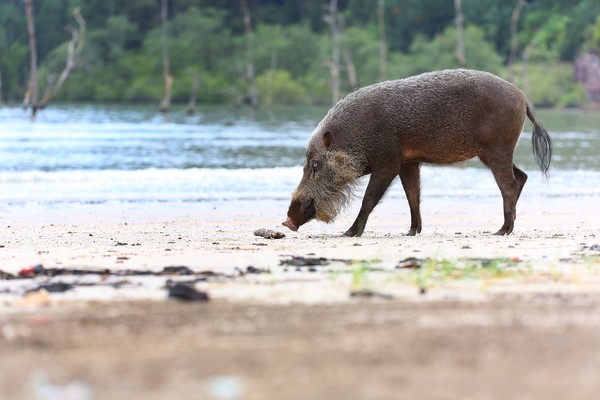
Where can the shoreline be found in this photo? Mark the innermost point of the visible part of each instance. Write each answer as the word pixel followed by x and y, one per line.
pixel 551 236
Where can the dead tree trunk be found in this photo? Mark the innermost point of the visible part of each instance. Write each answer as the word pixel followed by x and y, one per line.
pixel 73 50
pixel 351 69
pixel 526 82
pixel 31 94
pixel 165 102
pixel 382 40
pixel 53 85
pixel 50 79
pixel 191 108
pixel 514 20
pixel 334 63
pixel 347 54
pixel 250 76
pixel 460 34
pixel 271 76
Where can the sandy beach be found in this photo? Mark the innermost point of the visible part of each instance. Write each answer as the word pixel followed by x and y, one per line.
pixel 219 236
pixel 287 331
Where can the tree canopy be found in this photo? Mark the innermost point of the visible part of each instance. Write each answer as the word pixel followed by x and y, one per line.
pixel 121 58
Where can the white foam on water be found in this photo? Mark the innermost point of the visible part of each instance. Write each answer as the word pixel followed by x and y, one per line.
pixel 96 154
pixel 204 184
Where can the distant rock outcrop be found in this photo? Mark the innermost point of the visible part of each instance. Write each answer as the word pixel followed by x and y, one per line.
pixel 587 72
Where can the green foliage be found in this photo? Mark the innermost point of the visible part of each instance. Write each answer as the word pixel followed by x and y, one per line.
pixel 317 87
pixel 145 81
pixel 359 275
pixel 122 56
pixel 433 272
pixel 110 43
pixel 278 87
pixel 197 39
pixel 439 53
pixel 13 66
pixel 565 20
pixel 364 49
pixel 407 19
pixel 293 48
pixel 592 36
pixel 214 88
pixel 549 84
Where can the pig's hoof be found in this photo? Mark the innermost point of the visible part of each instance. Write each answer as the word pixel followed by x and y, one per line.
pixel 503 231
pixel 413 232
pixel 414 229
pixel 353 233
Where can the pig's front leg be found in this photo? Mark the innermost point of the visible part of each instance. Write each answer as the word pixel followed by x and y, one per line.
pixel 378 183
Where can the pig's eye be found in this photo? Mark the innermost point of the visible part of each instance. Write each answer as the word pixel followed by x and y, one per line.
pixel 315 165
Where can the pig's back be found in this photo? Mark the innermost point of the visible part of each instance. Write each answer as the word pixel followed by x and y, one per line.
pixel 429 115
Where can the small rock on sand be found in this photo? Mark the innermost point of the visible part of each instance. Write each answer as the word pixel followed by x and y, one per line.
pixel 269 234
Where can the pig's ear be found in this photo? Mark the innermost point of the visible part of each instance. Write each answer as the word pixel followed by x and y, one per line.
pixel 328 139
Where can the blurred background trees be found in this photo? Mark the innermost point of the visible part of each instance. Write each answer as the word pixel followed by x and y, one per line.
pixel 292 45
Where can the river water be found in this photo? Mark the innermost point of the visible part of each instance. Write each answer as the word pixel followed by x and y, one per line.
pixel 100 154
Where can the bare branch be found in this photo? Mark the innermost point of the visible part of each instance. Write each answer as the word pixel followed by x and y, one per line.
pixel 50 79
pixel 70 62
pixel 74 48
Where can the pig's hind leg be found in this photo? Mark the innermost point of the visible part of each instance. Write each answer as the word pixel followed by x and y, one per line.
pixel 521 177
pixel 510 180
pixel 410 175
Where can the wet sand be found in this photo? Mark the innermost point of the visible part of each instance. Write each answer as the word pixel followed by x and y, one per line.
pixel 295 332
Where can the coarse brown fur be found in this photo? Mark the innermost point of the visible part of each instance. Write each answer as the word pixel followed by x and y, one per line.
pixel 333 185
pixel 388 129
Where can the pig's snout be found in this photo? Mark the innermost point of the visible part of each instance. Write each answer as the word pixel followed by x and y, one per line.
pixel 288 223
pixel 299 213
